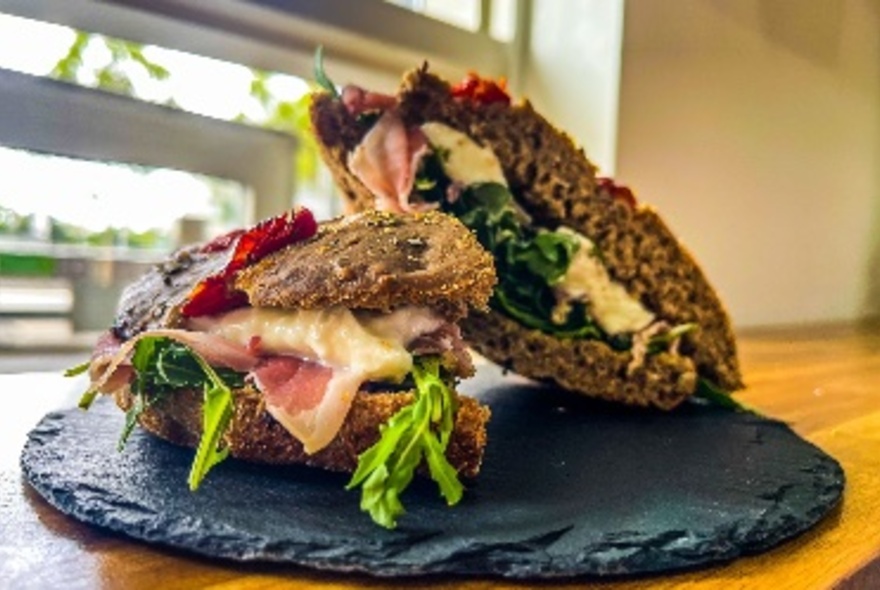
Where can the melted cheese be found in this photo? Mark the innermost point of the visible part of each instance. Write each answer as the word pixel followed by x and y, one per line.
pixel 358 347
pixel 610 305
pixel 370 346
pixel 463 160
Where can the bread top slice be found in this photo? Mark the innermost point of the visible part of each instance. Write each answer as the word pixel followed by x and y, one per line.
pixel 380 261
pixel 373 261
pixel 556 184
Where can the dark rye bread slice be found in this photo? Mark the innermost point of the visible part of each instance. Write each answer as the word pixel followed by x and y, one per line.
pixel 371 261
pixel 254 435
pixel 377 261
pixel 555 183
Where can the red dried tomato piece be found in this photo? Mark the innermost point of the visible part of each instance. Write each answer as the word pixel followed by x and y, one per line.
pixel 215 294
pixel 212 296
pixel 221 243
pixel 618 192
pixel 270 235
pixel 481 90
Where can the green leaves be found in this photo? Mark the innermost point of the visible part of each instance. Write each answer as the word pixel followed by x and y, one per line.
pixel 419 431
pixel 78 369
pixel 163 366
pixel 661 342
pixel 715 395
pixel 217 411
pixel 320 76
pixel 528 261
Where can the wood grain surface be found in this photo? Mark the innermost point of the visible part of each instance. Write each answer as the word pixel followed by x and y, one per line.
pixel 823 380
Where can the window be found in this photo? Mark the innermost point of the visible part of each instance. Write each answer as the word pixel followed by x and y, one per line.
pixel 233 151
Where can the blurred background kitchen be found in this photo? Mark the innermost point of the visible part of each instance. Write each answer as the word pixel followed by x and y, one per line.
pixel 128 127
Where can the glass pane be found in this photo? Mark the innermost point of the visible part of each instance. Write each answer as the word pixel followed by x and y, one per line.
pixel 74 232
pixel 192 83
pixel 464 14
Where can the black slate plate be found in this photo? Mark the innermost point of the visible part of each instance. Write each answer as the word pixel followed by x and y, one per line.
pixel 568 488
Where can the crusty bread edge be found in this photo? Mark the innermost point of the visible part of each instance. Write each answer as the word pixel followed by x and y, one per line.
pixel 254 435
pixel 589 367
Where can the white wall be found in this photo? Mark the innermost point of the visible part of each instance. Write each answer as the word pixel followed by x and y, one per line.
pixel 752 125
pixel 571 70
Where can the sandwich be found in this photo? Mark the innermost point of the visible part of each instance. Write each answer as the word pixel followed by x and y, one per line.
pixel 333 345
pixel 595 294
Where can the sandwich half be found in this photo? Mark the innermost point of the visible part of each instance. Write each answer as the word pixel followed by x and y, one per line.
pixel 594 292
pixel 333 345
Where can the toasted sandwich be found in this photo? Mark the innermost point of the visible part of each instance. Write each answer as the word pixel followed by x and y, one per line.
pixel 333 345
pixel 594 292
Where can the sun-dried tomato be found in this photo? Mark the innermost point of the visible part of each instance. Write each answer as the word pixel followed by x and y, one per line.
pixel 223 242
pixel 618 192
pixel 213 295
pixel 481 90
pixel 270 235
pixel 216 294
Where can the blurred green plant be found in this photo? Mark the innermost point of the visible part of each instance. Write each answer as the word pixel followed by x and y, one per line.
pixel 290 116
pixel 111 76
pixel 279 114
pixel 115 75
pixel 13 223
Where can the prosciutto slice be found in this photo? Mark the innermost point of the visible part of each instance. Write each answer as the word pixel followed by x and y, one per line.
pixel 111 369
pixel 359 101
pixel 308 365
pixel 310 400
pixel 386 161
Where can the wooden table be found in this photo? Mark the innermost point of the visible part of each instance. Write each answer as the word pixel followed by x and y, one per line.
pixel 823 380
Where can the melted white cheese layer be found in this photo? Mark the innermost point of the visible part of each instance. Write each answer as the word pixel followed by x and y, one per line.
pixel 371 346
pixel 587 279
pixel 463 160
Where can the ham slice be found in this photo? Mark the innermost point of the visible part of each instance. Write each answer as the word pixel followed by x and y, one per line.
pixel 111 367
pixel 386 162
pixel 359 101
pixel 308 365
pixel 310 400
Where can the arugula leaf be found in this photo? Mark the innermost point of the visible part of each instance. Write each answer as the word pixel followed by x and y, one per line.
pixel 528 261
pixel 163 366
pixel 420 430
pixel 88 397
pixel 661 342
pixel 320 76
pixel 713 394
pixel 217 411
pixel 78 369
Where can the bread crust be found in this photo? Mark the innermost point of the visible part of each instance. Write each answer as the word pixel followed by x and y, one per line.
pixel 556 184
pixel 378 261
pixel 254 435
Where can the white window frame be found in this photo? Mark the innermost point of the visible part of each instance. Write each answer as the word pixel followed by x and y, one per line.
pixel 366 41
pixel 369 42
pixel 48 116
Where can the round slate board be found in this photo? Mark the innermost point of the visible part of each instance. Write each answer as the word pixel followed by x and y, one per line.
pixel 568 488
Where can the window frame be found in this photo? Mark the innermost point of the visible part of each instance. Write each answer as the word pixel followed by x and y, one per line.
pixel 371 45
pixel 43 115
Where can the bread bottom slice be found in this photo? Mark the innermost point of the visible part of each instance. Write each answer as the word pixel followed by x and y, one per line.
pixel 254 435
pixel 589 367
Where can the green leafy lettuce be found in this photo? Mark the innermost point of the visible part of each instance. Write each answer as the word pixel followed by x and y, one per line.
pixel 163 366
pixel 419 431
pixel 320 76
pixel 529 262
pixel 713 394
